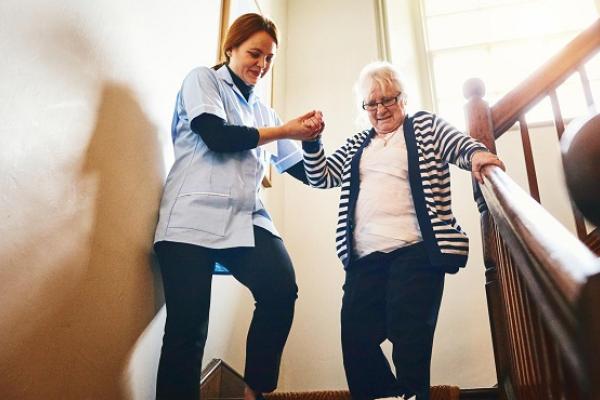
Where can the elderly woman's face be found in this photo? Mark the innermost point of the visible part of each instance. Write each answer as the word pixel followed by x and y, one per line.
pixel 385 119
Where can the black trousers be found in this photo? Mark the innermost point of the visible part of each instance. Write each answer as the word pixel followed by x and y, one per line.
pixel 393 296
pixel 265 269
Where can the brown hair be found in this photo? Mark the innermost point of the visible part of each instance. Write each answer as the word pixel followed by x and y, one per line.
pixel 241 29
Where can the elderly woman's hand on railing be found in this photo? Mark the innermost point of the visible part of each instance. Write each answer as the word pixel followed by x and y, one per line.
pixel 481 159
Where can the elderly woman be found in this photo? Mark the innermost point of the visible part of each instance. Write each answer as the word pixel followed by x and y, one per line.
pixel 396 234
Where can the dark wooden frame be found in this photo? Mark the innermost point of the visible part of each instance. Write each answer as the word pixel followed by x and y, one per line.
pixel 542 282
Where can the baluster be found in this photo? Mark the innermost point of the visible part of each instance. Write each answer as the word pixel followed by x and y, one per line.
pixel 541 351
pixel 497 306
pixel 551 367
pixel 559 123
pixel 515 323
pixel 556 367
pixel 585 83
pixel 507 295
pixel 535 346
pixel 529 163
pixel 531 372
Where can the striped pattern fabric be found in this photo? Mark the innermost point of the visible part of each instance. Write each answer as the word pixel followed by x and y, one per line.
pixel 433 144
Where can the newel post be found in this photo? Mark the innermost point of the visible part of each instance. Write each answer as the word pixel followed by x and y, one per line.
pixel 479 126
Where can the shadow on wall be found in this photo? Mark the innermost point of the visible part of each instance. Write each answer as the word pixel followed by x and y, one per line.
pixel 81 330
pixel 124 154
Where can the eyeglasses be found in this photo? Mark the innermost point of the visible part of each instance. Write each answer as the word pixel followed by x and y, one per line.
pixel 386 102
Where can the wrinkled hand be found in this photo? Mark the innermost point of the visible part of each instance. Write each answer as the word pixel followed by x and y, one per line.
pixel 306 127
pixel 482 158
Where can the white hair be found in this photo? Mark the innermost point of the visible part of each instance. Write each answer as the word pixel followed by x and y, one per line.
pixel 382 74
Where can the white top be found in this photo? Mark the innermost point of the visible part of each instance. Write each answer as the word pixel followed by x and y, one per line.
pixel 385 217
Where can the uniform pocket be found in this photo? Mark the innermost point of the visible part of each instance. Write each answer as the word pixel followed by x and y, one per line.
pixel 204 211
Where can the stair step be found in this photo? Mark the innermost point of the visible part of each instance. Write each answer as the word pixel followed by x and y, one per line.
pixel 440 392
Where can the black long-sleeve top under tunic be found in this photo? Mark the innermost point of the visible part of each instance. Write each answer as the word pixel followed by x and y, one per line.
pixel 224 138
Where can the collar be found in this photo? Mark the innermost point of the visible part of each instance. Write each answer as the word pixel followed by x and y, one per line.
pixel 243 86
pixel 225 76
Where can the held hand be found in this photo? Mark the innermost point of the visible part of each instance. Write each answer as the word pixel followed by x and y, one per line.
pixel 305 127
pixel 482 158
pixel 316 122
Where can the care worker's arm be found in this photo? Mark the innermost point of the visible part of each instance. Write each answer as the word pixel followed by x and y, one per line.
pixel 224 138
pixel 305 127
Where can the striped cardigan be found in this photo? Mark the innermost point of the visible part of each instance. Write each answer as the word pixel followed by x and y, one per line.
pixel 431 144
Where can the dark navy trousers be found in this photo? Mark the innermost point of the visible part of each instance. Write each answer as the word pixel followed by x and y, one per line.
pixel 265 269
pixel 394 296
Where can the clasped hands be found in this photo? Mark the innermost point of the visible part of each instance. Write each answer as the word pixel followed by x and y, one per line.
pixel 306 127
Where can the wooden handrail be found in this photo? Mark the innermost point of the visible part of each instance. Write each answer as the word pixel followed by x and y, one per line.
pixel 558 269
pixel 566 259
pixel 542 283
pixel 507 110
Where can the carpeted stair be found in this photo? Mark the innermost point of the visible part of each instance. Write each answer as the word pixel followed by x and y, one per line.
pixel 220 381
pixel 441 392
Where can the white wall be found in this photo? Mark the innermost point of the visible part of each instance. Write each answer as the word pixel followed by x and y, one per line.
pixel 86 98
pixel 325 52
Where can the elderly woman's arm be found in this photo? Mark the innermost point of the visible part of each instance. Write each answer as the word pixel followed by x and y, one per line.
pixel 457 148
pixel 452 145
pixel 325 172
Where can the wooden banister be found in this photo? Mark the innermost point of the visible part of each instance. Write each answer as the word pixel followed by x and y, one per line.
pixel 506 111
pixel 542 282
pixel 559 276
pixel 557 255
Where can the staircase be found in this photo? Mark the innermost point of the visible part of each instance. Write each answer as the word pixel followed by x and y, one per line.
pixel 221 382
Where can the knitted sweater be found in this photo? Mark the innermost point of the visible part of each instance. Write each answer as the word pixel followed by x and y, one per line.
pixel 431 144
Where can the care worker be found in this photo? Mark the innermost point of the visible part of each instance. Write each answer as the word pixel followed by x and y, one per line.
pixel 211 212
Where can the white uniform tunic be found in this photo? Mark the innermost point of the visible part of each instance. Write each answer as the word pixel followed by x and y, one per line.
pixel 212 199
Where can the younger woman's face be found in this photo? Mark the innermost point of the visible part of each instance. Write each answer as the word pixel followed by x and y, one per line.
pixel 252 59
